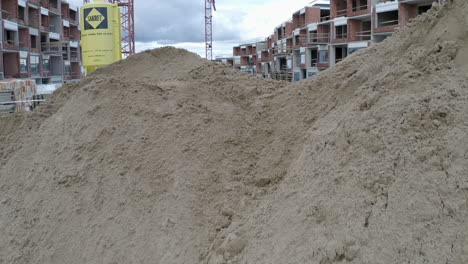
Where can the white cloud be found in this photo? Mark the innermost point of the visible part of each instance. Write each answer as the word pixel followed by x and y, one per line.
pixel 75 2
pixel 254 20
pixel 260 18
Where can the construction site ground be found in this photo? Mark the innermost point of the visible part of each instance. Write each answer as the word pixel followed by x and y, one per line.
pixel 179 160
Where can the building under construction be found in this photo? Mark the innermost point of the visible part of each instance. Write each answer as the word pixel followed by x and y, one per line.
pixel 40 40
pixel 322 34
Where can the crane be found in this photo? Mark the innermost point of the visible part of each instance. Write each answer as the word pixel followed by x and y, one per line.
pixel 209 5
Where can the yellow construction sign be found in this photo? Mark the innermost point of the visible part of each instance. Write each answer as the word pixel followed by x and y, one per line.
pixel 100 34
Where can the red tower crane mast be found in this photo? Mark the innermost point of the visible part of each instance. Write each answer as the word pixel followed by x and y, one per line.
pixel 127 19
pixel 209 28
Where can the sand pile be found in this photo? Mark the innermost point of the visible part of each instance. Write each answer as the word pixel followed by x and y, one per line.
pixel 184 161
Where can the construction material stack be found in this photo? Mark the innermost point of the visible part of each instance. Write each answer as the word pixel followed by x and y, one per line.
pixel 17 95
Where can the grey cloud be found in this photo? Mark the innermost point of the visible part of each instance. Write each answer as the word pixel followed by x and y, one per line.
pixel 179 21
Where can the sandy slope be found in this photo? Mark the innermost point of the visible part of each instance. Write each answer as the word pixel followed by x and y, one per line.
pixel 184 161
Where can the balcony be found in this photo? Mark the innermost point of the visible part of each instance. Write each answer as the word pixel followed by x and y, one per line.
pixel 325 18
pixel 23 46
pixel 363 35
pixel 10 45
pixel 243 52
pixel 53 6
pixel 9 16
pixel 313 62
pixel 44 27
pixel 341 36
pixel 236 51
pixel 319 38
pixel 339 8
pixel 343 12
pixel 53 47
pixel 73 17
pixel 359 8
pixel 300 41
pixel 45 3
pixel 74 55
pixel 265 58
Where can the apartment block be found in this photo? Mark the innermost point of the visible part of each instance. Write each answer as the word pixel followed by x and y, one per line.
pixel 322 34
pixel 40 40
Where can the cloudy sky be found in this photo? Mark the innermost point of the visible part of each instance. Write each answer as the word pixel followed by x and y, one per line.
pixel 180 23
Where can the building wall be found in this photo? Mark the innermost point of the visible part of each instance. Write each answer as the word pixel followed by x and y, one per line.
pixel 407 12
pixel 364 7
pixel 289 29
pixel 354 26
pixel 11 65
pixel 362 30
pixel 49 30
pixel 312 15
pixel 10 8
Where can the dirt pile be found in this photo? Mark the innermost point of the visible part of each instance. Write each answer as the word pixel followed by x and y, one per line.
pixel 183 161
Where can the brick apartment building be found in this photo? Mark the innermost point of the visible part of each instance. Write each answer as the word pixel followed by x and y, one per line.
pixel 322 34
pixel 40 40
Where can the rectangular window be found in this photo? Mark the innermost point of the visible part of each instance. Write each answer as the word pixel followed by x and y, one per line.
pixel 313 36
pixel 365 33
pixel 21 13
pixel 33 42
pixel 72 15
pixel 340 53
pixel 313 58
pixel 389 18
pixel 53 3
pixel 24 65
pixel 67 70
pixel 297 76
pixel 34 60
pixel 44 20
pixel 341 32
pixel 10 37
pixel 323 56
pixel 46 65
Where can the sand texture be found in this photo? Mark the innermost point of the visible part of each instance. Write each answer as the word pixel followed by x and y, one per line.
pixel 179 160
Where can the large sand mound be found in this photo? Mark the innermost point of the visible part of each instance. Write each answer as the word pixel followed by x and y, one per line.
pixel 184 161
